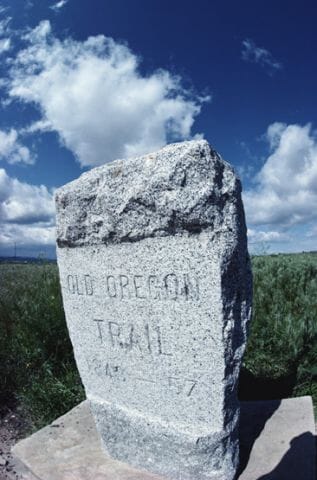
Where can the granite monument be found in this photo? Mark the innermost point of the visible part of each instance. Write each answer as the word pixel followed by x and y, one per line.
pixel 156 284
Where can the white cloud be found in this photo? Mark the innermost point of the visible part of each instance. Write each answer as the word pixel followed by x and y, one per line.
pixel 254 54
pixel 285 193
pixel 38 126
pixel 35 36
pixel 93 94
pixel 5 45
pixel 260 236
pixel 26 213
pixel 312 232
pixel 5 25
pixel 12 151
pixel 24 203
pixel 27 235
pixel 263 242
pixel 58 5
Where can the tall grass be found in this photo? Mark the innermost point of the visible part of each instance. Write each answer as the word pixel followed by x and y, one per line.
pixel 36 360
pixel 283 340
pixel 37 367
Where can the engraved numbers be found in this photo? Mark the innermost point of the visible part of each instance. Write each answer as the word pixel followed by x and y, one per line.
pixel 175 384
pixel 182 385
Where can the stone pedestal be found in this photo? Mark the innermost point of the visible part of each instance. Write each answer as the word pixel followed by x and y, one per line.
pixel 277 442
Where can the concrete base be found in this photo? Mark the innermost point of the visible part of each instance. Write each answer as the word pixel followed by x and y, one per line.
pixel 277 442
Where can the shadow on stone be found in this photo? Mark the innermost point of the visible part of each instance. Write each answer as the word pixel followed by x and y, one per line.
pixel 254 388
pixel 253 418
pixel 293 461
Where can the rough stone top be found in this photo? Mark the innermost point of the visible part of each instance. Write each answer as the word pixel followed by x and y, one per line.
pixel 184 188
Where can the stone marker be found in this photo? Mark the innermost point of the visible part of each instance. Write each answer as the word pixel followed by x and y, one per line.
pixel 156 284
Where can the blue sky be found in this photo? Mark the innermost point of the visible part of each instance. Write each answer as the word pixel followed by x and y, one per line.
pixel 83 83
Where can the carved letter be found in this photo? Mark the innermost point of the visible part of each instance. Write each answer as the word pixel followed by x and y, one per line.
pixel 124 282
pixel 88 285
pixel 171 286
pixel 71 284
pixel 99 328
pixel 137 286
pixel 114 331
pixel 147 335
pixel 80 292
pixel 134 339
pixel 159 343
pixel 154 289
pixel 111 286
pixel 191 288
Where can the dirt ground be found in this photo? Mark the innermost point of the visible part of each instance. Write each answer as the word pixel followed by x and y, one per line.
pixel 12 428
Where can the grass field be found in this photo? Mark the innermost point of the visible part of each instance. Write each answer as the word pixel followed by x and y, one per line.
pixel 37 368
pixel 281 356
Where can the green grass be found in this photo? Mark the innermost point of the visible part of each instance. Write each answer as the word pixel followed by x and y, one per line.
pixel 283 340
pixel 37 367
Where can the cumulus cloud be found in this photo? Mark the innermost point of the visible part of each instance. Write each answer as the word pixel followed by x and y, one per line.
pixel 12 151
pixel 93 95
pixel 26 212
pixel 252 53
pixel 27 235
pixel 24 203
pixel 285 192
